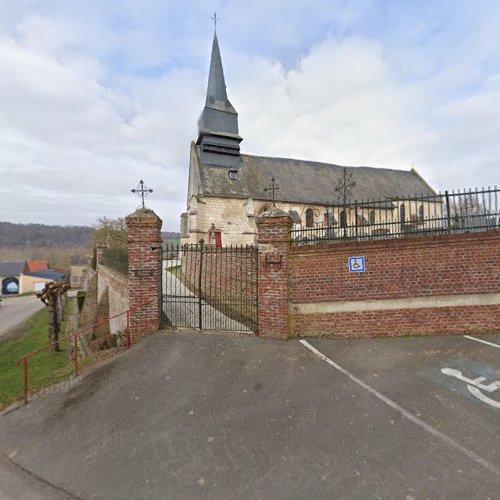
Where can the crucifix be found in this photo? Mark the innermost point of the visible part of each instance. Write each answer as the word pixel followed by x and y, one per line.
pixel 214 18
pixel 142 191
pixel 344 190
pixel 273 188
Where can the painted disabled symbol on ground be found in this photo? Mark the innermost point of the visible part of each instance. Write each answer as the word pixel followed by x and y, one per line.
pixel 476 386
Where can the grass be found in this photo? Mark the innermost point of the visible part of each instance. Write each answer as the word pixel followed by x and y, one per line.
pixel 45 369
pixel 173 268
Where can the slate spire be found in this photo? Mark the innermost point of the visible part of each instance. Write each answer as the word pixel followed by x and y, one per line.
pixel 216 89
pixel 218 125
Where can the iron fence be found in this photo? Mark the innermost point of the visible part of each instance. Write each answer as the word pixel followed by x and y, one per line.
pixel 448 212
pixel 116 258
pixel 210 287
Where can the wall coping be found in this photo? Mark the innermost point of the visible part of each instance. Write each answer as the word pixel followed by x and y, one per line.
pixel 143 216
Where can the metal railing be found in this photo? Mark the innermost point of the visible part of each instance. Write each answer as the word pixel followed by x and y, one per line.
pixel 210 287
pixel 73 338
pixel 116 258
pixel 419 215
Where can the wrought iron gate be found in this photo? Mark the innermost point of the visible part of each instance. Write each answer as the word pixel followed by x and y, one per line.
pixel 210 287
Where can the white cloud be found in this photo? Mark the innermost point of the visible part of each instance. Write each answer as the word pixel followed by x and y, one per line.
pixel 82 119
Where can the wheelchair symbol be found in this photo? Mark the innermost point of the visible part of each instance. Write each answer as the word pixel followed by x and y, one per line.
pixel 475 386
pixel 356 264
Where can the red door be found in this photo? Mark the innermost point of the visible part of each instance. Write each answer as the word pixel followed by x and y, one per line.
pixel 218 239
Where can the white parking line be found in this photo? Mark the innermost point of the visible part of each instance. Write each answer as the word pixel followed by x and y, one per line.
pixel 451 442
pixel 482 341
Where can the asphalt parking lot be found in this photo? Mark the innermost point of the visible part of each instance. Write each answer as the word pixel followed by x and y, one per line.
pixel 184 415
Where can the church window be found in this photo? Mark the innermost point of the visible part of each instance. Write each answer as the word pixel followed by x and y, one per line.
pixel 372 216
pixel 421 213
pixel 309 217
pixel 233 175
pixel 361 220
pixel 402 213
pixel 343 219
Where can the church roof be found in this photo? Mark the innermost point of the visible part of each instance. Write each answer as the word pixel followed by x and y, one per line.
pixel 309 182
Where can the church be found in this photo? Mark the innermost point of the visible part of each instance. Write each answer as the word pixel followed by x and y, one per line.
pixel 228 190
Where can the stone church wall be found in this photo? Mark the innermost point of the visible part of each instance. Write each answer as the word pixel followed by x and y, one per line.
pixel 427 285
pixel 234 218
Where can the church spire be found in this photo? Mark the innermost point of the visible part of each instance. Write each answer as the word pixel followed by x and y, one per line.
pixel 218 125
pixel 216 89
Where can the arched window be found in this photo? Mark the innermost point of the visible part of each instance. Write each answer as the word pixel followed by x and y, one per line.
pixel 421 213
pixel 402 213
pixel 309 217
pixel 343 219
pixel 372 216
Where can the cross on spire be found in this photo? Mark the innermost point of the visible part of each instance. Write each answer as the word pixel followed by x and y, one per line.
pixel 273 188
pixel 214 18
pixel 142 190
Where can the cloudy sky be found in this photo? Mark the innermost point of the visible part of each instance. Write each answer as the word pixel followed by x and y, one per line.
pixel 97 94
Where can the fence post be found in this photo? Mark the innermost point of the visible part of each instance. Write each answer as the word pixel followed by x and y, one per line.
pixel 356 219
pixel 144 272
pixel 200 284
pixel 25 373
pixel 75 353
pixel 127 334
pixel 274 232
pixel 448 210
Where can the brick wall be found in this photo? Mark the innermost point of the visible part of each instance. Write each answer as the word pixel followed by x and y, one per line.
pixel 454 278
pixel 144 279
pixel 274 237
pixel 398 322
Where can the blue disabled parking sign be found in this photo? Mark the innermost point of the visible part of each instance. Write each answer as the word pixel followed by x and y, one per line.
pixel 356 264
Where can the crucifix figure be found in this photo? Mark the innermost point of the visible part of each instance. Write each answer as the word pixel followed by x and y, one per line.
pixel 273 188
pixel 214 18
pixel 142 191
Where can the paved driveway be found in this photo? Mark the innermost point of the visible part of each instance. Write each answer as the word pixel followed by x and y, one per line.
pixel 184 415
pixel 15 310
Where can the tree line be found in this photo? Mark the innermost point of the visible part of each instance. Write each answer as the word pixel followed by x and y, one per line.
pixel 14 235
